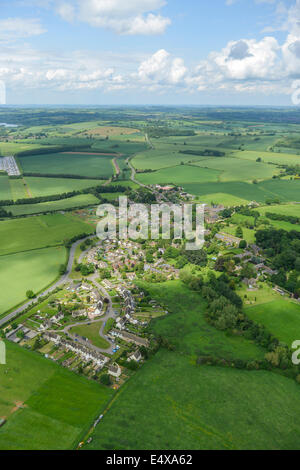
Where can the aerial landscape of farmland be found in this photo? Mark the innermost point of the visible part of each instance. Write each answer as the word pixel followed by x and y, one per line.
pixel 149 229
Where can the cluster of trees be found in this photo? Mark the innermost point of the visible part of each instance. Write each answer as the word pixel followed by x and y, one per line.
pixel 85 269
pixel 283 249
pixel 4 213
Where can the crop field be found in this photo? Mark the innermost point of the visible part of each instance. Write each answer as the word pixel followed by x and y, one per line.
pixel 41 231
pixel 193 407
pixel 179 175
pixel 30 270
pixel 5 191
pixel 92 333
pixel 52 186
pixel 233 169
pixel 63 204
pixel 84 164
pixel 11 148
pixel 46 407
pixel 281 317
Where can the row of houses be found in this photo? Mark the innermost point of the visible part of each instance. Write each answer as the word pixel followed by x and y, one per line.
pixel 86 353
pixel 129 337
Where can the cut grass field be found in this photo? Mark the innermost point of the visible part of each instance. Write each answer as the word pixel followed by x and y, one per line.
pixel 82 164
pixel 281 317
pixel 92 333
pixel 46 407
pixel 52 186
pixel 31 270
pixel 178 175
pixel 31 233
pixel 63 204
pixel 175 404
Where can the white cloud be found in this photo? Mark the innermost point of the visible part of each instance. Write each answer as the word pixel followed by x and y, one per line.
pixel 19 28
pixel 161 68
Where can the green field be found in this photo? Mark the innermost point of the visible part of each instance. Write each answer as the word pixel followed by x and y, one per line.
pixel 234 169
pixel 187 329
pixel 90 165
pixel 284 209
pixel 269 157
pixel 57 405
pixel 52 186
pixel 281 317
pixel 31 270
pixel 42 231
pixel 179 175
pixel 5 191
pixel 284 190
pixel 63 204
pixel 173 404
pixel 92 333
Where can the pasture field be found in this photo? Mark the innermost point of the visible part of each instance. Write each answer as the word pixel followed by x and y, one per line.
pixel 46 407
pixel 92 333
pixel 31 233
pixel 226 200
pixel 82 164
pixel 187 329
pixel 233 169
pixel 281 317
pixel 175 404
pixel 286 191
pixel 178 175
pixel 5 190
pixel 30 270
pixel 63 204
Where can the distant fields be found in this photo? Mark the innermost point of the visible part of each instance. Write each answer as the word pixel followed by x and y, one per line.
pixel 38 232
pixel 30 270
pixel 46 407
pixel 281 317
pixel 92 333
pixel 84 164
pixel 63 204
pixel 177 405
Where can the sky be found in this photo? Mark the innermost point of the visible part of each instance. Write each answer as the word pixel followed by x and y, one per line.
pixel 155 52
